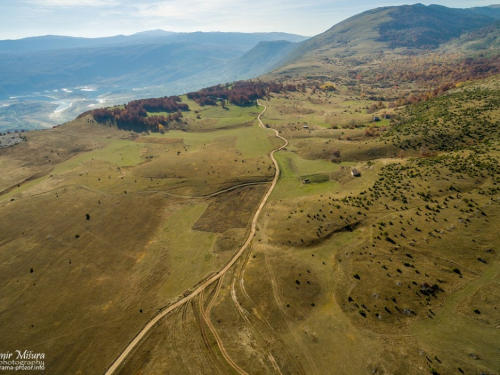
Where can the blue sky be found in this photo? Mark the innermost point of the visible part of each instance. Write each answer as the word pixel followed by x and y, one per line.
pixel 93 18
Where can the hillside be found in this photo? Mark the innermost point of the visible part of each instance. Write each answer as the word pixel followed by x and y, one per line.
pixel 483 39
pixel 259 60
pixel 490 11
pixel 356 35
pixel 428 26
pixel 383 30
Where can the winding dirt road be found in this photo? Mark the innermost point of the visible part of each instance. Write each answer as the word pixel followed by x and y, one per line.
pixel 111 370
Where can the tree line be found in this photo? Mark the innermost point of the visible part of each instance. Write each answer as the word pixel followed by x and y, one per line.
pixel 239 93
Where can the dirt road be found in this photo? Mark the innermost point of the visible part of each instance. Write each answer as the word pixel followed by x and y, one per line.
pixel 215 277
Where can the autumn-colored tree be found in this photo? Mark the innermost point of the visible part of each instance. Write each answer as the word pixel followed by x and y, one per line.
pixel 328 87
pixel 135 113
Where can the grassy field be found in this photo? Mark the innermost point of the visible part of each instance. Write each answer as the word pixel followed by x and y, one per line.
pixel 191 252
pixel 64 249
pixel 121 153
pixel 295 171
pixel 392 272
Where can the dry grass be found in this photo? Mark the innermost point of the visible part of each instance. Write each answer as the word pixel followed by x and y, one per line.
pixel 377 274
pixel 98 281
pixel 231 210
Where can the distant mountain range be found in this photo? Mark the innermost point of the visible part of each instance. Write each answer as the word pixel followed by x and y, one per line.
pixel 51 42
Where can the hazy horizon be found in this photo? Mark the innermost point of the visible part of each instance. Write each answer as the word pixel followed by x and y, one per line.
pixel 152 30
pixel 100 18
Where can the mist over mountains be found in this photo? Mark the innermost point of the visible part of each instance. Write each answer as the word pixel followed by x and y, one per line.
pixel 51 42
pixel 144 59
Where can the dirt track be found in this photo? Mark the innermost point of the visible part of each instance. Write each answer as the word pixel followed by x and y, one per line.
pixel 215 277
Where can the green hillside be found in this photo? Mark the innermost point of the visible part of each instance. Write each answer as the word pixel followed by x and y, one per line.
pixel 428 26
pixel 481 40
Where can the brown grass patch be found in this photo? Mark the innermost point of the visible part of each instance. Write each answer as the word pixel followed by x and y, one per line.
pixel 160 141
pixel 231 210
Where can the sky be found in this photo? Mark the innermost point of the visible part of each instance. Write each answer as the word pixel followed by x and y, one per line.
pixel 95 18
